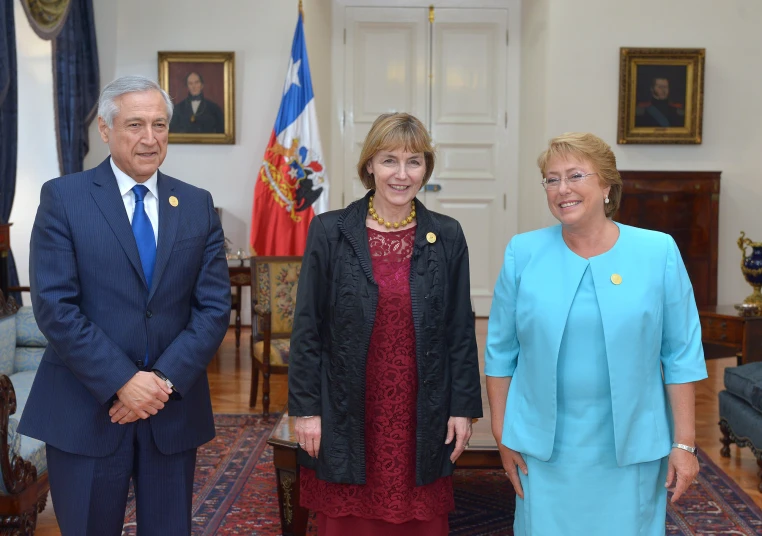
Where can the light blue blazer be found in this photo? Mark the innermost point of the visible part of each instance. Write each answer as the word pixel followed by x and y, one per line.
pixel 651 330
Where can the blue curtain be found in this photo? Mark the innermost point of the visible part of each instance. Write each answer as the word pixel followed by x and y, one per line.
pixel 8 125
pixel 77 84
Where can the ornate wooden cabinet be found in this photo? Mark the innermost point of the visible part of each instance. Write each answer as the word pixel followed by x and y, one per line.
pixel 684 204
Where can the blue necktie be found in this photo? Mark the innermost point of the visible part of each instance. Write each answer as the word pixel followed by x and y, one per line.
pixel 143 231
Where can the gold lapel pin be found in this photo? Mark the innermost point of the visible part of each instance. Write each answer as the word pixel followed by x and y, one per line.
pixel 173 201
pixel 431 237
pixel 616 279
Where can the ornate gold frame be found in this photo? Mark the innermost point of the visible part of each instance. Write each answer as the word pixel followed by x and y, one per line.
pixel 228 61
pixel 629 60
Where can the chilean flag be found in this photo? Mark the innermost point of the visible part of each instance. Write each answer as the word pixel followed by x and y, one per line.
pixel 291 185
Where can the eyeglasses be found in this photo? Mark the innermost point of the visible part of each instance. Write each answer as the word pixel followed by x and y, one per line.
pixel 554 183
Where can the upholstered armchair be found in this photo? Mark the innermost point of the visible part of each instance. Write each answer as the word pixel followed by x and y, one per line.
pixel 273 286
pixel 741 411
pixel 23 465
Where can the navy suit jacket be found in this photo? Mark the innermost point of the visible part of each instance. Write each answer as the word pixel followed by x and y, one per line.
pixel 92 302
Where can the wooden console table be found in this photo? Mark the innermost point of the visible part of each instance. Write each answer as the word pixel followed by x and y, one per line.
pixel 725 333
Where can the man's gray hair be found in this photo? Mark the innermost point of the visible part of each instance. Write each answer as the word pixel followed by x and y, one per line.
pixel 107 106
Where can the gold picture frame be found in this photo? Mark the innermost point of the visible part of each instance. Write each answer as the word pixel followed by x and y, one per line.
pixel 661 95
pixel 202 88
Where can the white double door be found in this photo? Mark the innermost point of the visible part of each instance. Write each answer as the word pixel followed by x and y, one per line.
pixel 450 73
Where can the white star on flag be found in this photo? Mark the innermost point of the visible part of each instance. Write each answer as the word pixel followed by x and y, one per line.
pixel 292 75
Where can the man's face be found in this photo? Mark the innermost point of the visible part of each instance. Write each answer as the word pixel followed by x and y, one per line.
pixel 138 139
pixel 660 89
pixel 194 85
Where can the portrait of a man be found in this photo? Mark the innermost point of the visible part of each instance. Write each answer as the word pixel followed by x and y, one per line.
pixel 201 85
pixel 196 113
pixel 661 96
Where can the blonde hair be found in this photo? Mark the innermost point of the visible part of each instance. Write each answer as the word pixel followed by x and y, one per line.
pixel 390 132
pixel 589 147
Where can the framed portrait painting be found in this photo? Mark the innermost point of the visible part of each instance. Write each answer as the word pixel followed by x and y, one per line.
pixel 661 95
pixel 201 85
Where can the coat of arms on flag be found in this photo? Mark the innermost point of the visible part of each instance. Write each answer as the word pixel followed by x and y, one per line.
pixel 291 184
pixel 295 190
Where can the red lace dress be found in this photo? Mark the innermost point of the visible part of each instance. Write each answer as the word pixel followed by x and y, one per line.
pixel 389 495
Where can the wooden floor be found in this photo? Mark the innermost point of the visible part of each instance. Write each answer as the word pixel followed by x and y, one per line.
pixel 230 377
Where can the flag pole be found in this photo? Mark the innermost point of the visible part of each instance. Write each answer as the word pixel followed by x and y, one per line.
pixel 301 10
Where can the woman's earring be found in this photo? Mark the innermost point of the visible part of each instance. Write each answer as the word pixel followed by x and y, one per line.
pixel 606 200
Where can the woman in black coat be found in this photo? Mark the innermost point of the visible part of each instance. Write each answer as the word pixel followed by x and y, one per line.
pixel 383 373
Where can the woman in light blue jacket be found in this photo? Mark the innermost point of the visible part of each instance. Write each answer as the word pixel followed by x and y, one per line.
pixel 593 346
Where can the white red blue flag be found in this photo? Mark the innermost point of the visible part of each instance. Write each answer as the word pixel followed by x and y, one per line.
pixel 291 185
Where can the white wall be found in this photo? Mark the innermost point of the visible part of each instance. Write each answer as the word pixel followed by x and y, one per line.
pixel 533 116
pixel 580 86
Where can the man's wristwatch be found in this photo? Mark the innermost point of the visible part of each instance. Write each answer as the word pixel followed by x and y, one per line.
pixel 692 450
pixel 175 395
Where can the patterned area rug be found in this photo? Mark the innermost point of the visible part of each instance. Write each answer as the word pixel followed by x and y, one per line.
pixel 235 493
pixel 714 504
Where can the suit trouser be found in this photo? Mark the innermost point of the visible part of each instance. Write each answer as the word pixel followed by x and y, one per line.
pixel 90 494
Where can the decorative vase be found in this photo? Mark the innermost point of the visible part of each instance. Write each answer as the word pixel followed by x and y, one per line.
pixel 751 267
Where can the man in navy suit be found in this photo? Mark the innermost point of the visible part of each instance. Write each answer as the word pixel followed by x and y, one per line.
pixel 130 286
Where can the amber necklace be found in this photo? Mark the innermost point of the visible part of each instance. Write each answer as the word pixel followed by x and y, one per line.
pixel 389 224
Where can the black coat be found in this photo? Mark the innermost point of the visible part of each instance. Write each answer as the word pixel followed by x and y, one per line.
pixel 335 311
pixel 207 120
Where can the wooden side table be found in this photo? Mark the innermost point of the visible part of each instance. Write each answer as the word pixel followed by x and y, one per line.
pixel 480 454
pixel 725 333
pixel 293 518
pixel 240 276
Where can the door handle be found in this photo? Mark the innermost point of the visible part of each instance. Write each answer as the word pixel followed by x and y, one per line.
pixel 432 187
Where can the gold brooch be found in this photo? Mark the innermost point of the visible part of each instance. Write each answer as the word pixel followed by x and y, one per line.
pixel 173 201
pixel 431 237
pixel 616 279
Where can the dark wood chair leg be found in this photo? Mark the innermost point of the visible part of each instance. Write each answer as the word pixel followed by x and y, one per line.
pixel 266 392
pixel 238 318
pixel 725 440
pixel 266 371
pixel 254 385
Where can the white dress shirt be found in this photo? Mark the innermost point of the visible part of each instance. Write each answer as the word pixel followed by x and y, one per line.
pixel 150 202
